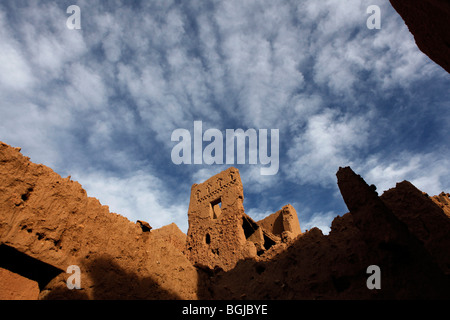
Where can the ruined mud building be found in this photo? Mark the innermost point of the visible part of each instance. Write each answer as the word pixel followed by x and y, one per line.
pixel 48 223
pixel 220 233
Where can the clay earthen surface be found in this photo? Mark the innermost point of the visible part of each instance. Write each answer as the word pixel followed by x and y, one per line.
pixel 48 223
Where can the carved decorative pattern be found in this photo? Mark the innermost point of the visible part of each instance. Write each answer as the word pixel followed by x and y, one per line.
pixel 214 193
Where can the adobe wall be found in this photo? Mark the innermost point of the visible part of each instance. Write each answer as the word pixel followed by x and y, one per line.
pixel 283 223
pixel 48 223
pixel 15 287
pixel 443 201
pixel 215 236
pixel 386 231
pixel 220 233
pixel 52 220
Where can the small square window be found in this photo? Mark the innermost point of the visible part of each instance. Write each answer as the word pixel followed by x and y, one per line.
pixel 216 208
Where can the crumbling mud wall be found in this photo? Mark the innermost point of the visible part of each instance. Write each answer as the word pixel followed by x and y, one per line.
pixel 387 231
pixel 16 287
pixel 48 223
pixel 425 217
pixel 443 201
pixel 283 223
pixel 221 234
pixel 215 236
pixel 51 220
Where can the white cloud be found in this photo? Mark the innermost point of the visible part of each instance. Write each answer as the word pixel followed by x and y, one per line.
pixel 86 89
pixel 428 172
pixel 258 214
pixel 320 220
pixel 262 54
pixel 140 196
pixel 47 43
pixel 15 72
pixel 254 182
pixel 329 141
pixel 33 132
pixel 344 49
pixel 203 174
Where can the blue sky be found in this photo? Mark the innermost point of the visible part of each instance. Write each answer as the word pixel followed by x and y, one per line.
pixel 100 103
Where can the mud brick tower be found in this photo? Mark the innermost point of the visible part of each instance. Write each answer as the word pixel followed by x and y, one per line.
pixel 220 233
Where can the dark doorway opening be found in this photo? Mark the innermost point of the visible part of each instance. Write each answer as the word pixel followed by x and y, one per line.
pixel 26 266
